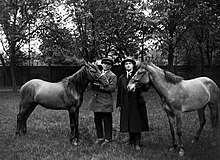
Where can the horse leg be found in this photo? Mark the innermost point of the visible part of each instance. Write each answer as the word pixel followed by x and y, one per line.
pixel 25 109
pixel 20 116
pixel 27 114
pixel 77 125
pixel 202 121
pixel 214 121
pixel 179 133
pixel 72 116
pixel 171 123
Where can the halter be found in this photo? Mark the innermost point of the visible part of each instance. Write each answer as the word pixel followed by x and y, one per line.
pixel 96 79
pixel 140 77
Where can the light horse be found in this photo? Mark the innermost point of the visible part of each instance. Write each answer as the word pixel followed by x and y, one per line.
pixel 64 95
pixel 179 96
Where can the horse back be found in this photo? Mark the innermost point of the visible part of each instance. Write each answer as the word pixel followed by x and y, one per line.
pixel 204 84
pixel 211 86
pixel 198 92
pixel 30 87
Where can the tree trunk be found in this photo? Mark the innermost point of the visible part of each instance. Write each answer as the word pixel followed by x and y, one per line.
pixel 142 53
pixel 93 47
pixel 171 57
pixel 14 84
pixel 50 72
pixel 4 70
pixel 202 60
pixel 12 66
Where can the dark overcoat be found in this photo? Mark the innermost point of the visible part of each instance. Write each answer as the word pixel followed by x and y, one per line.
pixel 133 116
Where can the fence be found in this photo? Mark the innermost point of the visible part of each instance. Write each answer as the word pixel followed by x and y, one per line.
pixel 57 73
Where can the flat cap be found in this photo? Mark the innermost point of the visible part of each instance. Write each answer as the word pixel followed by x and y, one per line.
pixel 107 60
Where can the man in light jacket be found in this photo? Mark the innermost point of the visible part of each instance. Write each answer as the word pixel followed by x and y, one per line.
pixel 101 103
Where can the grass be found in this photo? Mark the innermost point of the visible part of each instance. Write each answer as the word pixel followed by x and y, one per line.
pixel 48 135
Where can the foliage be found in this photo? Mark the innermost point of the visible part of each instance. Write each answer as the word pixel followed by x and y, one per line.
pixel 18 20
pixel 184 31
pixel 104 26
pixel 57 45
pixel 187 31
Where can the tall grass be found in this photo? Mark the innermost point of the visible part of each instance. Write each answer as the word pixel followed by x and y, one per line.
pixel 48 135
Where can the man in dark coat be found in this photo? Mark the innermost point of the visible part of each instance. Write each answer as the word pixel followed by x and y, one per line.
pixel 133 113
pixel 101 103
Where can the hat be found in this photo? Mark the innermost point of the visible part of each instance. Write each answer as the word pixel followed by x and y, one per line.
pixel 107 60
pixel 128 60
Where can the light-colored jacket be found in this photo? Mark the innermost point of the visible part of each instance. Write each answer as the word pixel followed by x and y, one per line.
pixel 102 98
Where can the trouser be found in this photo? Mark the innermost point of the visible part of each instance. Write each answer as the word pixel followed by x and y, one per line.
pixel 135 138
pixel 103 120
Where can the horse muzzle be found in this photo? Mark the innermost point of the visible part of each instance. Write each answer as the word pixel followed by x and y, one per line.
pixel 131 87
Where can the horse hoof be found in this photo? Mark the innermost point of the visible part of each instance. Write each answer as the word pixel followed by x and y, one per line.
pixel 181 152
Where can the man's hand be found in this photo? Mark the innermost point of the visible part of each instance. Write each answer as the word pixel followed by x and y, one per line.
pixel 95 86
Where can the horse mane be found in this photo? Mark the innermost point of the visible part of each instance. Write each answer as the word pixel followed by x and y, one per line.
pixel 172 78
pixel 68 82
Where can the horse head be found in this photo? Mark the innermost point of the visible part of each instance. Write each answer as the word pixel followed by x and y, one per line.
pixel 94 74
pixel 141 76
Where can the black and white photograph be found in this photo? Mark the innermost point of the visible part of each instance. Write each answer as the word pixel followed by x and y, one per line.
pixel 109 80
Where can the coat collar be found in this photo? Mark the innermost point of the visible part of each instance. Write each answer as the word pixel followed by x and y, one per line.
pixel 125 80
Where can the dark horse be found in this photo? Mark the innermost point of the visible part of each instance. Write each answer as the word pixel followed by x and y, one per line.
pixel 64 95
pixel 179 96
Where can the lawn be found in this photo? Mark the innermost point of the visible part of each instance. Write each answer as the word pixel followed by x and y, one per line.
pixel 48 135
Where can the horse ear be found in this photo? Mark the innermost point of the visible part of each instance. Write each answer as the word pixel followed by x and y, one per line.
pixel 87 64
pixel 81 62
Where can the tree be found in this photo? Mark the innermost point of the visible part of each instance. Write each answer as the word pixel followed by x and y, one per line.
pixel 171 18
pixel 18 19
pixel 105 26
pixel 186 29
pixel 57 45
pixel 206 31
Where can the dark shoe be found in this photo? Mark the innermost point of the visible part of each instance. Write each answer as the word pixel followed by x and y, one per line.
pixel 137 148
pixel 105 142
pixel 99 141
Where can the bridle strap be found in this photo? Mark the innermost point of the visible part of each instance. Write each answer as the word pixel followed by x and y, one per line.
pixel 96 79
pixel 138 81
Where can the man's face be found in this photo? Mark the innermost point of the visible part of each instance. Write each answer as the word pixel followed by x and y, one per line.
pixel 128 66
pixel 106 66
